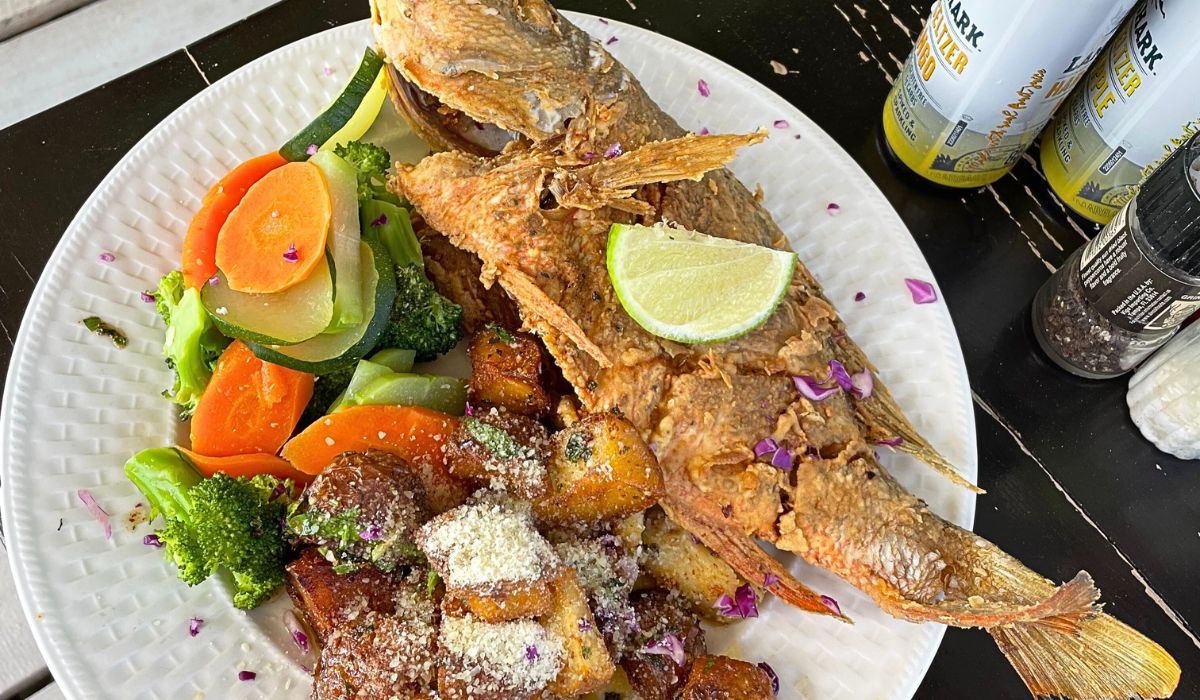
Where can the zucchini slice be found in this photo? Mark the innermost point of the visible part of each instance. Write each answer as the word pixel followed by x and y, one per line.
pixel 288 317
pixel 344 240
pixel 337 115
pixel 329 351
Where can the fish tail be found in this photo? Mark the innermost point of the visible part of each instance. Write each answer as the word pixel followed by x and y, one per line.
pixel 1096 658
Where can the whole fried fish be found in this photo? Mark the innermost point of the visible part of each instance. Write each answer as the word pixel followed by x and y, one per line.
pixel 585 147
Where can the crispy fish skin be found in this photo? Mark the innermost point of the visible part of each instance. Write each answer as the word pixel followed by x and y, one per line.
pixel 703 406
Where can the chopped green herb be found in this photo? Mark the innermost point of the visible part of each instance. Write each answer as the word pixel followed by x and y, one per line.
pixel 577 448
pixel 99 326
pixel 587 652
pixel 345 568
pixel 341 528
pixel 501 332
pixel 431 583
pixel 495 440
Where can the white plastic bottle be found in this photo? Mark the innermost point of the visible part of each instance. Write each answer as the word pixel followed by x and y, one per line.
pixel 1164 396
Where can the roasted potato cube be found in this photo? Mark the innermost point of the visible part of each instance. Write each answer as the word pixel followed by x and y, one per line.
pixel 496 661
pixel 723 678
pixel 500 603
pixel 324 599
pixel 587 665
pixel 382 655
pixel 660 613
pixel 506 372
pixel 493 561
pixel 501 449
pixel 600 469
pixel 677 561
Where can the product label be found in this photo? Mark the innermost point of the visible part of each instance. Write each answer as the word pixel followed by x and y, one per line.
pixel 984 78
pixel 1127 288
pixel 1136 106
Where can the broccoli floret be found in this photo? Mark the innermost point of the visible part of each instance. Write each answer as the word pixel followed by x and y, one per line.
pixel 192 343
pixel 371 162
pixel 218 522
pixel 422 320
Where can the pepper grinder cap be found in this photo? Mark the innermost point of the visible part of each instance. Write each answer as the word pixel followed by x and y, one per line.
pixel 1168 208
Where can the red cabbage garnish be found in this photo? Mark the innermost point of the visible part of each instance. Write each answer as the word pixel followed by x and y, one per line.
pixel 602 20
pixel 922 292
pixel 147 297
pixel 291 254
pixel 727 510
pixel 311 150
pixel 152 540
pixel 703 131
pixel 97 512
pixel 766 667
pixel 589 155
pixel 890 442
pixel 611 40
pixel 831 604
pixel 614 150
pixel 743 603
pixel 812 390
pixel 862 384
pixel 107 257
pixel 703 88
pixel 194 626
pixel 329 70
pixel 276 492
pixel 670 646
pixel 782 459
pixel 780 124
pixel 838 373
pixel 765 446
pixel 380 220
pixel 212 281
pixel 833 209
pixel 584 625
pixel 469 409
pixel 247 675
pixel 372 533
pixel 531 653
pixel 770 580
pixel 299 636
pixel 859 296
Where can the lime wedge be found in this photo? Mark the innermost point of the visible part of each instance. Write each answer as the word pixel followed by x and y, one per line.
pixel 692 288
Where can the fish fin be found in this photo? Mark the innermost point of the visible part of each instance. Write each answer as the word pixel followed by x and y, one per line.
pixel 742 553
pixel 883 420
pixel 1098 658
pixel 1063 609
pixel 533 300
pixel 606 183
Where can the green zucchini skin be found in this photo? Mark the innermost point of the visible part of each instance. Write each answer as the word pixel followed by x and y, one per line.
pixel 329 122
pixel 385 297
pixel 289 317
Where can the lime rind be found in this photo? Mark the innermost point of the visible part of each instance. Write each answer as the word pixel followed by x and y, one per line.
pixel 641 282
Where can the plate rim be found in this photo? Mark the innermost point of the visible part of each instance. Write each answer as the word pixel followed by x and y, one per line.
pixel 50 646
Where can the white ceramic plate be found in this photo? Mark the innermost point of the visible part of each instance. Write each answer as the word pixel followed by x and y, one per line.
pixel 110 616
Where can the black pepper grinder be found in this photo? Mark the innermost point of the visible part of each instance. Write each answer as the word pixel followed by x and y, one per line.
pixel 1125 293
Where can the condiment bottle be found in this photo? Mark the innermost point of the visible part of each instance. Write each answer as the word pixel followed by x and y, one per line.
pixel 1137 105
pixel 1164 396
pixel 983 79
pixel 1125 293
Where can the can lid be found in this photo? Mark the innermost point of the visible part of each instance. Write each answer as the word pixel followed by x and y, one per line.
pixel 1168 207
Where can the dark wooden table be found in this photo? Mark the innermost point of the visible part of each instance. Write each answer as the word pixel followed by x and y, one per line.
pixel 1072 485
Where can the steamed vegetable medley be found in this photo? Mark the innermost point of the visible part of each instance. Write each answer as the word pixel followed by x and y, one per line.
pixel 301 301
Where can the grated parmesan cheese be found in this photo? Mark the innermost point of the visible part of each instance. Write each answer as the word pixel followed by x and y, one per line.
pixel 520 654
pixel 485 544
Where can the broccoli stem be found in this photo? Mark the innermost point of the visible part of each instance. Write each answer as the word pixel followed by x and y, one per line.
pixel 164 478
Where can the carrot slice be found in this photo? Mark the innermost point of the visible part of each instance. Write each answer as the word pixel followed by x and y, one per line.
pixel 276 235
pixel 200 243
pixel 249 406
pixel 246 465
pixel 417 435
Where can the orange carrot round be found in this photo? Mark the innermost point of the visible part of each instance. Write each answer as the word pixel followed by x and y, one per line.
pixel 200 243
pixel 276 235
pixel 249 406
pixel 246 465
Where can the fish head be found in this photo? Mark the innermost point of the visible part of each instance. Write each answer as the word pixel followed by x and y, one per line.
pixel 475 74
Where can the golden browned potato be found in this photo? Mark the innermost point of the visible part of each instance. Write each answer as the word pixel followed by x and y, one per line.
pixel 500 603
pixel 600 470
pixel 325 599
pixel 498 448
pixel 506 372
pixel 677 561
pixel 723 678
pixel 587 665
pixel 659 613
